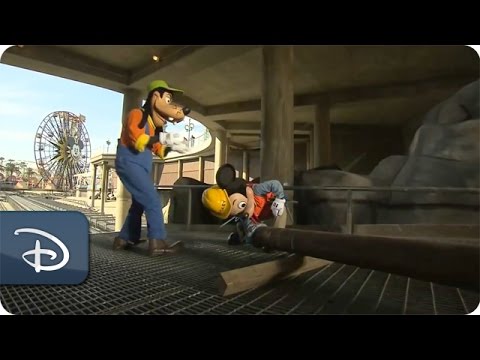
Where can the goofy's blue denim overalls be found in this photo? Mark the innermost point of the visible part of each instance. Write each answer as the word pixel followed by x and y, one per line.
pixel 134 170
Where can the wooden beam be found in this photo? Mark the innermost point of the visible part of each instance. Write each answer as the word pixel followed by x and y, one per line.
pixel 233 126
pixel 238 280
pixel 171 55
pixel 235 107
pixel 354 94
pixel 191 103
pixel 62 58
pixel 238 145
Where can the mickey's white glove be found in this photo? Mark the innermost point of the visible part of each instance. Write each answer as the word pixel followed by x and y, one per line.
pixel 278 207
pixel 175 141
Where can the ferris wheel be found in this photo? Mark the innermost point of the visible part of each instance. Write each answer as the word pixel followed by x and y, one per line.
pixel 62 148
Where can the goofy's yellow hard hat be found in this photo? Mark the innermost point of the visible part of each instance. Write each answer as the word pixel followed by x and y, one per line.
pixel 216 200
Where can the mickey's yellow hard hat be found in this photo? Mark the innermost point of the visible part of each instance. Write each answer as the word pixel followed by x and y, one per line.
pixel 216 200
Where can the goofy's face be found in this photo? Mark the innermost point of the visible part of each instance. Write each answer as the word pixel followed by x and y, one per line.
pixel 162 105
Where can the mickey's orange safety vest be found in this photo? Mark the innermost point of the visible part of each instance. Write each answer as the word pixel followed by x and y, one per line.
pixel 262 210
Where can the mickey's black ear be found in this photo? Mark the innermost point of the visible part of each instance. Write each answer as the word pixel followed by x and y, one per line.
pixel 225 175
pixel 237 186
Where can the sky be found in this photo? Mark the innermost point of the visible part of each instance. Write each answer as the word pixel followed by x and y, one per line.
pixel 27 97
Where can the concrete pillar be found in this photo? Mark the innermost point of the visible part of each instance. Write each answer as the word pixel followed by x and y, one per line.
pixel 220 149
pixel 154 170
pixel 157 172
pixel 122 204
pixel 180 169
pixel 103 193
pixel 226 147
pixel 276 149
pixel 245 165
pixel 89 188
pixel 132 98
pixel 160 166
pixel 201 169
pixel 94 180
pixel 307 155
pixel 154 173
pixel 321 135
pixel 282 221
pixel 277 127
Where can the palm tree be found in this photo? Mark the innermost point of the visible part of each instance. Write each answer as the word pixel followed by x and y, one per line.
pixel 27 175
pixel 22 165
pixel 11 167
pixel 2 168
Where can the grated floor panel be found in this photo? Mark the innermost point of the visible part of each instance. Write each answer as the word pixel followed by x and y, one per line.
pixel 130 282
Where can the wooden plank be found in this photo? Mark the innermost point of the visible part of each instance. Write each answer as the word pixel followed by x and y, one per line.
pixel 238 280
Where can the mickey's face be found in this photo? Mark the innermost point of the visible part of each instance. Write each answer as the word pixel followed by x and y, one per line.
pixel 240 196
pixel 239 203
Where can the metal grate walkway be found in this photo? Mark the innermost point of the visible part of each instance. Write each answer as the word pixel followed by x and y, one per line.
pixel 129 282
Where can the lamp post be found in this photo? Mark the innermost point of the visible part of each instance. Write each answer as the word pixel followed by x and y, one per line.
pixel 108 144
pixel 189 129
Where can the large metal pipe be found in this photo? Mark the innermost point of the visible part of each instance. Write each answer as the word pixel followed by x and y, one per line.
pixel 453 262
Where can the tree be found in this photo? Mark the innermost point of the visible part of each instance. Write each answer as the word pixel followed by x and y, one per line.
pixel 11 167
pixel 29 172
pixel 2 168
pixel 22 165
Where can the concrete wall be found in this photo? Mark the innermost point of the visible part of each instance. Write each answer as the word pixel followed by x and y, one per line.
pixel 190 169
pixel 209 166
pixel 170 174
pixel 348 142
pixel 235 157
pixel 300 156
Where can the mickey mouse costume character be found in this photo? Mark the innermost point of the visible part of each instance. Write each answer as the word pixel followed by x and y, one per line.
pixel 142 135
pixel 248 203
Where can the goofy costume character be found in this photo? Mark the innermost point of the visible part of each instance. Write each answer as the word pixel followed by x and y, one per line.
pixel 142 136
pixel 248 203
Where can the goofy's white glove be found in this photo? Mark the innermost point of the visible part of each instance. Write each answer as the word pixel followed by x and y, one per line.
pixel 175 141
pixel 278 207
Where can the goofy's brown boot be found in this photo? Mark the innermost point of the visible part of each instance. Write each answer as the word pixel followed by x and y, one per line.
pixel 160 247
pixel 122 244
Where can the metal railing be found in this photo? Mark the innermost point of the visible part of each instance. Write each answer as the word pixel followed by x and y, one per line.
pixel 349 195
pixel 195 145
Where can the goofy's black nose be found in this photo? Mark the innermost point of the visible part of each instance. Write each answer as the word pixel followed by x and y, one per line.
pixel 186 110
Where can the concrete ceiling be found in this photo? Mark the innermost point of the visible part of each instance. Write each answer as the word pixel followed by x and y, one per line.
pixel 385 85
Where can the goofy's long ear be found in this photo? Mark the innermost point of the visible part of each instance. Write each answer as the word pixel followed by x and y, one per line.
pixel 225 175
